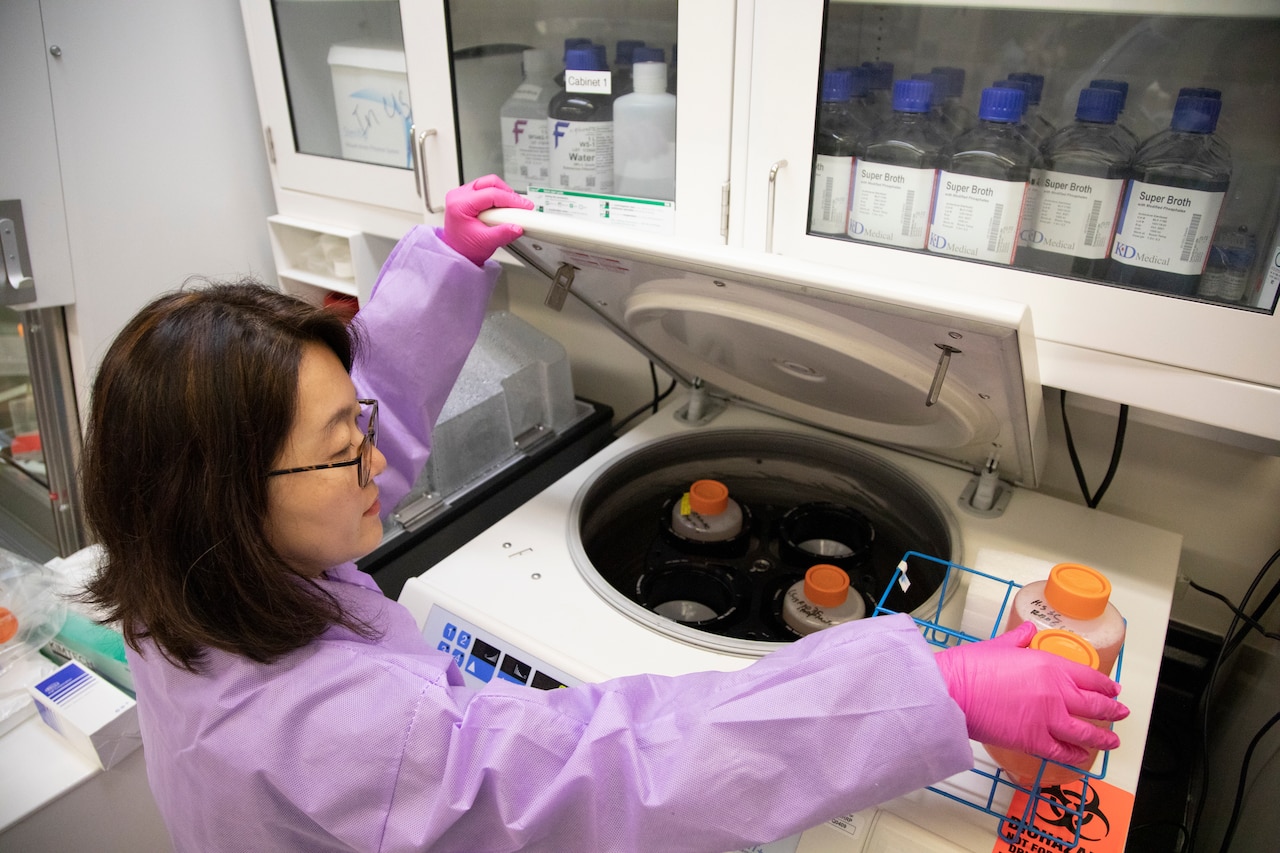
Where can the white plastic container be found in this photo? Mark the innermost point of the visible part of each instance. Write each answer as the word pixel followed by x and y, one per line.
pixel 526 144
pixel 371 97
pixel 1074 598
pixel 821 601
pixel 706 513
pixel 644 136
pixel 1026 769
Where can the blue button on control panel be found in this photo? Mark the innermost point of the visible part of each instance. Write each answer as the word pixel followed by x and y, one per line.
pixel 482 656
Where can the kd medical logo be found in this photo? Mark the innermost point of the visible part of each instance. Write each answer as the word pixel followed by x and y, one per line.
pixel 1124 251
pixel 517 129
pixel 558 132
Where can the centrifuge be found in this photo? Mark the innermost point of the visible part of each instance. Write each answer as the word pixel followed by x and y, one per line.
pixel 892 429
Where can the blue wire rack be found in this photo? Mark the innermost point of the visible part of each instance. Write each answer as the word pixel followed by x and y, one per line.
pixel 986 795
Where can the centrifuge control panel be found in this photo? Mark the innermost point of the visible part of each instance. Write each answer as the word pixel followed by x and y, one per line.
pixel 482 657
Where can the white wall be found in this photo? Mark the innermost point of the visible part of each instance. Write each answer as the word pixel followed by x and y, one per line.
pixel 163 168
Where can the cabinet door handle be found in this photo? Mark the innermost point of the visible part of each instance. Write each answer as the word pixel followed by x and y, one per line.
pixel 773 197
pixel 420 170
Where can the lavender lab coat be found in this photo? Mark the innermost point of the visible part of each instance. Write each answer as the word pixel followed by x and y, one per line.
pixel 349 744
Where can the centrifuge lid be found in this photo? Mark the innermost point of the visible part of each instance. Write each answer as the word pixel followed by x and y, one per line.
pixel 941 374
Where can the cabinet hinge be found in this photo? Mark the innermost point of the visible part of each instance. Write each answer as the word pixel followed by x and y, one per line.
pixel 724 210
pixel 271 146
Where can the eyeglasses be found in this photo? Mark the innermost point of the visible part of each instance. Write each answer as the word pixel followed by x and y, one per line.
pixel 364 456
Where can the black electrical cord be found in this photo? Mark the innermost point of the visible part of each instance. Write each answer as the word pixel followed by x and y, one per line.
pixel 1240 614
pixel 652 404
pixel 1118 445
pixel 1231 641
pixel 1240 786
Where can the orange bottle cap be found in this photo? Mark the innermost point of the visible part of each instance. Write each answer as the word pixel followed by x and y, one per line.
pixel 8 625
pixel 826 585
pixel 708 497
pixel 1067 645
pixel 1077 591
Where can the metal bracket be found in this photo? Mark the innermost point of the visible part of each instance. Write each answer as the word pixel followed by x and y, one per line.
pixel 18 287
pixel 561 282
pixel 940 373
pixel 419 511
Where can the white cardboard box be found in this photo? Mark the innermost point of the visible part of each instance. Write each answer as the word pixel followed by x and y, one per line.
pixel 371 95
pixel 91 713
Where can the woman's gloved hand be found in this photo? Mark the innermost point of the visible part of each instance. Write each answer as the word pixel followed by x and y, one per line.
pixel 1030 700
pixel 466 234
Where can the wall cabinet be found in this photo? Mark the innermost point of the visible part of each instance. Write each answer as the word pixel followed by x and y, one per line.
pixel 459 61
pixel 1185 355
pixel 748 91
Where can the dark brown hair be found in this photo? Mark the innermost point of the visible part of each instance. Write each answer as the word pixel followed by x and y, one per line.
pixel 190 407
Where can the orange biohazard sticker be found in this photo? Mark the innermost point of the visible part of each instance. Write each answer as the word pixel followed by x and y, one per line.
pixel 1097 815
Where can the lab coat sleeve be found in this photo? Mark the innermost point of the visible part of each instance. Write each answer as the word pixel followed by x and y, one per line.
pixel 421 321
pixel 707 762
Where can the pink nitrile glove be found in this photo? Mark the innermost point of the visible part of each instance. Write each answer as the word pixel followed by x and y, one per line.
pixel 466 234
pixel 1029 700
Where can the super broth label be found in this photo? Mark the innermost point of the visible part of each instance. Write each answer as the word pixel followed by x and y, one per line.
pixel 831 176
pixel 1074 215
pixel 976 218
pixel 581 155
pixel 1166 228
pixel 891 204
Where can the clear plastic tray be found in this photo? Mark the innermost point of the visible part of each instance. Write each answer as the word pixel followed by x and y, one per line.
pixel 985 790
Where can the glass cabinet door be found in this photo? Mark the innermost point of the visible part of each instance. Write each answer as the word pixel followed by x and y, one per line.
pixel 40 513
pixel 580 105
pixel 334 90
pixel 1116 169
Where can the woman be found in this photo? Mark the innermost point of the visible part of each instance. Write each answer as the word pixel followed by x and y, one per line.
pixel 232 476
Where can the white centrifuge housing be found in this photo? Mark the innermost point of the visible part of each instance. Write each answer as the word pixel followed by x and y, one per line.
pixel 851 418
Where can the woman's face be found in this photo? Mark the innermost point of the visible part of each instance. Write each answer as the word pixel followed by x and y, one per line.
pixel 319 519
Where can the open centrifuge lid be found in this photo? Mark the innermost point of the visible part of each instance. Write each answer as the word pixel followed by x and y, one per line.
pixel 940 374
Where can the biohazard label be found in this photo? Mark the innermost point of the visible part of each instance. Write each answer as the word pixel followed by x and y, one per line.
pixel 1068 819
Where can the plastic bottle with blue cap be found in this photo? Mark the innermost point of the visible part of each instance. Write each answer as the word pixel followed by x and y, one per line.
pixel 1180 181
pixel 983 183
pixel 1078 187
pixel 1033 116
pixel 895 176
pixel 836 143
pixel 580 124
pixel 1122 87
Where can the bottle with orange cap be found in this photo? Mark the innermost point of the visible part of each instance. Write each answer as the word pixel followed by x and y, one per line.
pixel 1023 768
pixel 706 513
pixel 821 600
pixel 1074 598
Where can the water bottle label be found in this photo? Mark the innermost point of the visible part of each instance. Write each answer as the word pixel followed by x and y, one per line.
pixel 891 204
pixel 525 152
pixel 1166 228
pixel 1073 214
pixel 831 176
pixel 581 155
pixel 976 218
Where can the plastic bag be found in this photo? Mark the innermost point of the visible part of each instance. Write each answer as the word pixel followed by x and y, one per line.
pixel 32 609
